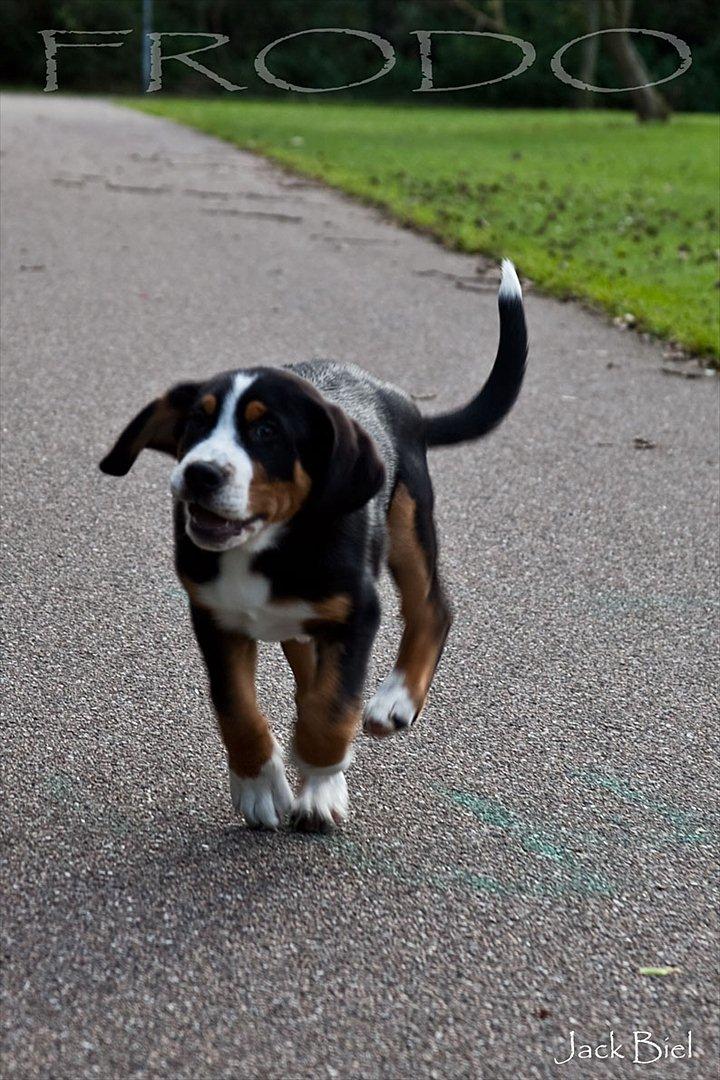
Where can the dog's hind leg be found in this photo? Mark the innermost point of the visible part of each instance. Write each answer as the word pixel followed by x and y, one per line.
pixel 412 559
pixel 258 785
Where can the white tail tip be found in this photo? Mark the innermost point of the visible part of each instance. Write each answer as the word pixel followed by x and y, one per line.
pixel 509 283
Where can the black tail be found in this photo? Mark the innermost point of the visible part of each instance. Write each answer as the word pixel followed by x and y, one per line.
pixel 487 409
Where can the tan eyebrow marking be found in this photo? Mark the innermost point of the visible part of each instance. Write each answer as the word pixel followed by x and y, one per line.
pixel 254 410
pixel 208 404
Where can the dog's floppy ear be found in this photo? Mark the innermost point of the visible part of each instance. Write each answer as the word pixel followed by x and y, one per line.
pixel 157 427
pixel 352 471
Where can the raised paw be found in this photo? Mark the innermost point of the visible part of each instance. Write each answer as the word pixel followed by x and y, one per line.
pixel 322 803
pixel 391 709
pixel 265 799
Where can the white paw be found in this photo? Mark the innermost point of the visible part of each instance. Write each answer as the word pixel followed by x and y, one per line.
pixel 264 799
pixel 322 802
pixel 391 709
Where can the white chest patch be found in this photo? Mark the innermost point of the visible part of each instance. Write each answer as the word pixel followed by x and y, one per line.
pixel 240 601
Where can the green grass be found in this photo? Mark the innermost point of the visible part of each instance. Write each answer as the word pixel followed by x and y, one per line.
pixel 588 204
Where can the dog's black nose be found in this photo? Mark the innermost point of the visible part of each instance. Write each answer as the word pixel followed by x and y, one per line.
pixel 203 477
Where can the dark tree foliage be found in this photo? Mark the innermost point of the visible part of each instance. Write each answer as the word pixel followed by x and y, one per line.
pixel 327 60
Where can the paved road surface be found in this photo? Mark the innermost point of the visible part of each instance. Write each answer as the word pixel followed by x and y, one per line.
pixel 510 865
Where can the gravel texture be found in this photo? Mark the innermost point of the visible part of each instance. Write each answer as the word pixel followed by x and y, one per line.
pixel 510 865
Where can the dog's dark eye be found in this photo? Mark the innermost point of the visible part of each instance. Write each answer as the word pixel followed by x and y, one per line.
pixel 264 431
pixel 197 420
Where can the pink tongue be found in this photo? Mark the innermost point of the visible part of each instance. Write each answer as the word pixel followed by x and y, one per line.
pixel 206 517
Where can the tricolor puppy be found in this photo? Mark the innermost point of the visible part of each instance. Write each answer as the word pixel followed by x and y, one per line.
pixel 292 488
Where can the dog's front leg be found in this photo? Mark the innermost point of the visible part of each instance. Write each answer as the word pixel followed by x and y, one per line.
pixel 258 786
pixel 328 717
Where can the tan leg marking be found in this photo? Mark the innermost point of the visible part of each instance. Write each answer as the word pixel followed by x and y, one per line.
pixel 302 658
pixel 325 724
pixel 244 729
pixel 335 609
pixel 425 616
pixel 192 589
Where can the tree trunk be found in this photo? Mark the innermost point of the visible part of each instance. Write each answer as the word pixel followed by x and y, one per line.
pixel 585 99
pixel 482 20
pixel 382 18
pixel 648 102
pixel 497 13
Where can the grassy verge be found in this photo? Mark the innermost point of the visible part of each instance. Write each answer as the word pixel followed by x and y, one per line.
pixel 589 204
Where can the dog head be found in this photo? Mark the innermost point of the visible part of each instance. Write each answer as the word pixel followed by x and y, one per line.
pixel 254 449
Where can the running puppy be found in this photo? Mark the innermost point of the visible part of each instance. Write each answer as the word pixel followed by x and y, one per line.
pixel 292 487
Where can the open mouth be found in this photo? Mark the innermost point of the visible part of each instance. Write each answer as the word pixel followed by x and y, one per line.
pixel 208 525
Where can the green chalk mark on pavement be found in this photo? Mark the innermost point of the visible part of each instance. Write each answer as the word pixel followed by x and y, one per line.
pixel 380 860
pixel 689 827
pixel 59 787
pixel 175 593
pixel 538 846
pixel 64 790
pixel 536 841
pixel 617 600
pixel 482 883
pixel 387 861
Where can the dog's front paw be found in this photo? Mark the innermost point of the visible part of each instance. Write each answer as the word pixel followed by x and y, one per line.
pixel 391 709
pixel 322 803
pixel 265 799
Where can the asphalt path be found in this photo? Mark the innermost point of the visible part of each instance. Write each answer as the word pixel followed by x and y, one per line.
pixel 510 866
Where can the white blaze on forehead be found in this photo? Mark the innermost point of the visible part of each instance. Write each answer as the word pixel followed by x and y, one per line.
pixel 221 447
